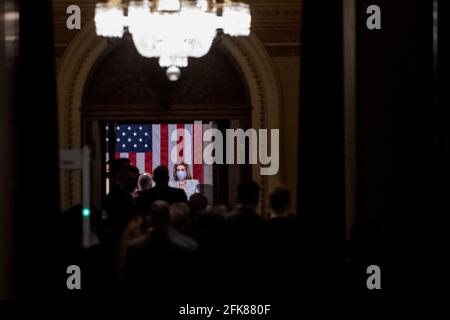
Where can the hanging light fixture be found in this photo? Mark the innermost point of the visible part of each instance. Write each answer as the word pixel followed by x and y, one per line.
pixel 172 30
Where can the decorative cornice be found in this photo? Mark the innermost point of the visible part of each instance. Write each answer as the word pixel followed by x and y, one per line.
pixel 283 49
pixel 279 13
pixel 274 22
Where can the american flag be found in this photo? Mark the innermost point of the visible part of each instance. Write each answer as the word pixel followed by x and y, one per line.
pixel 148 146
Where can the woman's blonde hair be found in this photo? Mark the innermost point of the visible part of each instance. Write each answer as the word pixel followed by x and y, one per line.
pixel 186 167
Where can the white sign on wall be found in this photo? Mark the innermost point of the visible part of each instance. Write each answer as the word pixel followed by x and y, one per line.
pixel 70 159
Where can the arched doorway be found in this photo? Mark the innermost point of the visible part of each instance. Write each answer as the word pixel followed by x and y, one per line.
pixel 86 51
pixel 125 88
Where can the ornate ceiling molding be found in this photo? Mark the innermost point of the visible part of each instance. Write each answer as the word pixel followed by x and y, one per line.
pixel 276 23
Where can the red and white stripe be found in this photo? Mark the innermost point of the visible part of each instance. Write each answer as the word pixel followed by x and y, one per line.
pixel 187 145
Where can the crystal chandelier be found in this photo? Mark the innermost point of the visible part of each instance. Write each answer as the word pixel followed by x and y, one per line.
pixel 172 30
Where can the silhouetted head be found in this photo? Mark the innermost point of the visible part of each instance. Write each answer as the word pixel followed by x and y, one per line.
pixel 145 182
pixel 118 169
pixel 209 225
pixel 160 215
pixel 161 176
pixel 132 176
pixel 197 203
pixel 219 210
pixel 248 194
pixel 280 200
pixel 179 215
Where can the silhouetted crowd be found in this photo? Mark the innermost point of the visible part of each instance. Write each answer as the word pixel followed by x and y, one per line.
pixel 155 241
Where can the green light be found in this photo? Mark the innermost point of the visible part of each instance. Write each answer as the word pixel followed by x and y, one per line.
pixel 86 212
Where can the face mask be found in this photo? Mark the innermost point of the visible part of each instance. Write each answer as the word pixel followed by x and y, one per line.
pixel 181 175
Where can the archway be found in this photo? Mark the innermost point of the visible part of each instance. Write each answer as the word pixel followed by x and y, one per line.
pixel 87 48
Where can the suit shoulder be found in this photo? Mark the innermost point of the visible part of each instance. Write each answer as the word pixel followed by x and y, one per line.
pixel 145 193
pixel 181 194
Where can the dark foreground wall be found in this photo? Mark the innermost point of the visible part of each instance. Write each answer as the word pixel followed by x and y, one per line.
pixel 401 137
pixel 395 136
pixel 7 64
pixel 36 141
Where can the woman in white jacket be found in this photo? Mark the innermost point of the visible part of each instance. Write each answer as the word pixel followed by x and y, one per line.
pixel 182 179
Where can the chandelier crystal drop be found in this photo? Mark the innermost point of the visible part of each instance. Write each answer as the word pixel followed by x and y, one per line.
pixel 172 30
